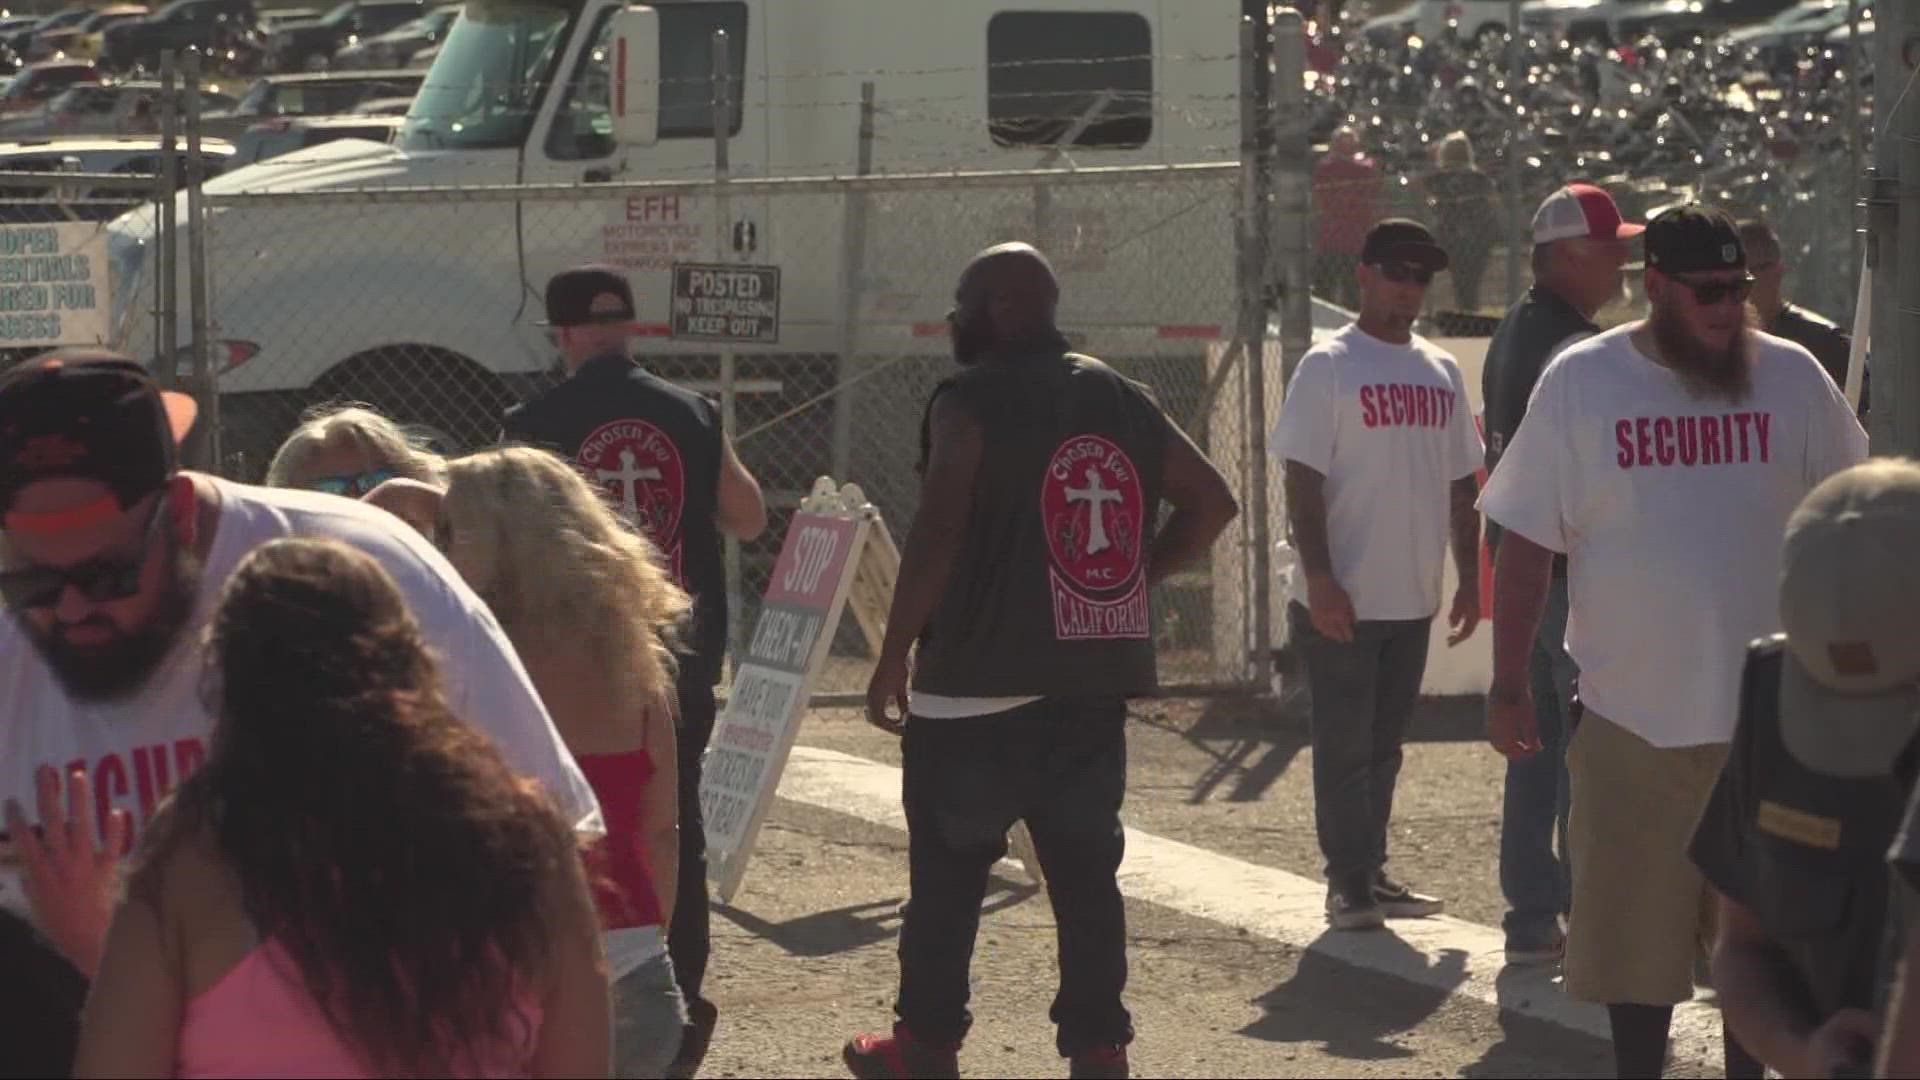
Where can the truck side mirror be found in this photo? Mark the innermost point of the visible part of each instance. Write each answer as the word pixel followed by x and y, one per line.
pixel 633 72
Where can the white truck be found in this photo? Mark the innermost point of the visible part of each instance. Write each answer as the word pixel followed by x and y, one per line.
pixel 431 310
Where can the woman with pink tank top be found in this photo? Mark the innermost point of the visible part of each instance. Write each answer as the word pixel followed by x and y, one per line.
pixel 589 607
pixel 355 884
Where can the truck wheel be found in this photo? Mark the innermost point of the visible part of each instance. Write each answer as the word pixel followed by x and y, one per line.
pixel 450 399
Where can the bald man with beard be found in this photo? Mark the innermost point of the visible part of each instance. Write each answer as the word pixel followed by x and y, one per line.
pixel 1662 458
pixel 1023 599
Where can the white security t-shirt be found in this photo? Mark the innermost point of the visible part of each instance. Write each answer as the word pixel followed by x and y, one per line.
pixel 137 749
pixel 1390 427
pixel 1672 510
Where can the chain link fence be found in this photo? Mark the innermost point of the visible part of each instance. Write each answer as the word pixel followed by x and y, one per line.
pixel 426 305
pixel 1441 131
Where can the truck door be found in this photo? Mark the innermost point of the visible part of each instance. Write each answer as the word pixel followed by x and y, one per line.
pixel 646 234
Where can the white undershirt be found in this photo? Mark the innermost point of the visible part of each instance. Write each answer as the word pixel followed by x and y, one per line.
pixel 942 707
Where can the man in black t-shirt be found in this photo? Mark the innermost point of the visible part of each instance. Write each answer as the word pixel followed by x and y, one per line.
pixel 1795 834
pixel 1580 245
pixel 1829 344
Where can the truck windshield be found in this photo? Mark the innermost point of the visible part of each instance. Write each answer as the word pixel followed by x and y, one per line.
pixel 485 84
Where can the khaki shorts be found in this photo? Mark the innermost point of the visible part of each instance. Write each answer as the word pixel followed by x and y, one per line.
pixel 1641 912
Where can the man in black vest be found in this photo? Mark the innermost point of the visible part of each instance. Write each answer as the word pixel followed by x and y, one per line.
pixel 1025 583
pixel 1815 785
pixel 660 455
pixel 1579 249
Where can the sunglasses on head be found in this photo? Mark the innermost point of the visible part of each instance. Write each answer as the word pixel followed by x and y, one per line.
pixel 99 580
pixel 352 485
pixel 1709 293
pixel 1406 273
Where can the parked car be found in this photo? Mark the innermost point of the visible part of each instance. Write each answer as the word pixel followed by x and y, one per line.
pixel 134 156
pixel 207 25
pixel 82 40
pixel 116 108
pixel 1623 20
pixel 1803 24
pixel 271 138
pixel 398 46
pixel 386 106
pixel 36 84
pixel 274 96
pixel 273 17
pixel 1432 18
pixel 309 46
pixel 20 38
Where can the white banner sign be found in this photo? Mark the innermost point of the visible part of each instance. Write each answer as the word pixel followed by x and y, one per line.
pixel 54 285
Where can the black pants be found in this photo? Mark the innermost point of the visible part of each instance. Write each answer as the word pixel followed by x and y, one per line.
pixel 1061 766
pixel 40 999
pixel 690 938
pixel 1363 694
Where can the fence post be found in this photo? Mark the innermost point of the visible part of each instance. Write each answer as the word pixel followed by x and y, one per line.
pixel 166 343
pixel 1854 165
pixel 853 270
pixel 1516 211
pixel 729 389
pixel 1252 334
pixel 204 447
pixel 1894 245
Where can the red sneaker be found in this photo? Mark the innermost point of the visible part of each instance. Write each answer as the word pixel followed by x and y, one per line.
pixel 1100 1063
pixel 900 1056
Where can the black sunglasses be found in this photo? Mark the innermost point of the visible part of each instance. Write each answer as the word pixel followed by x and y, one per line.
pixel 1406 273
pixel 1709 293
pixel 100 580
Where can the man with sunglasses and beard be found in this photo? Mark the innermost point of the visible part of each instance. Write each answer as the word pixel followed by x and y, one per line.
pixel 111 561
pixel 658 452
pixel 1378 450
pixel 1663 459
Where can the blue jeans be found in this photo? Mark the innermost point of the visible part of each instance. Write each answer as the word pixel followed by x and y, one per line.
pixel 1364 692
pixel 1534 878
pixel 648 1014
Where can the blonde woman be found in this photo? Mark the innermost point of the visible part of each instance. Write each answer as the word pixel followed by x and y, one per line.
pixel 589 606
pixel 350 450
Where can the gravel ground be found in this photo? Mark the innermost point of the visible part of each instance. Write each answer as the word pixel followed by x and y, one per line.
pixel 1236 776
pixel 805 958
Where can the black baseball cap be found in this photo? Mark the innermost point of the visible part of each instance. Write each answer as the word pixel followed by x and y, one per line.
pixel 1692 239
pixel 1403 240
pixel 586 295
pixel 89 415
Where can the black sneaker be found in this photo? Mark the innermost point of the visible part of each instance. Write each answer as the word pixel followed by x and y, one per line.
pixel 1400 902
pixel 695 1039
pixel 1351 909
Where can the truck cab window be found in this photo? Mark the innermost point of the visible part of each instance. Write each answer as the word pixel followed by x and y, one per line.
pixel 582 127
pixel 486 83
pixel 1047 69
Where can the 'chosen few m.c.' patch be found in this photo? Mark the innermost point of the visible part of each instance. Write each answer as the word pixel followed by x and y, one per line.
pixel 1812 830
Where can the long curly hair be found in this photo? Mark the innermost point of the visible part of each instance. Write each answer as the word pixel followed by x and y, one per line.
pixel 559 567
pixel 414 879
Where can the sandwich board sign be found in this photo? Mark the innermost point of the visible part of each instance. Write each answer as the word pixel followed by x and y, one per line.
pixel 837 553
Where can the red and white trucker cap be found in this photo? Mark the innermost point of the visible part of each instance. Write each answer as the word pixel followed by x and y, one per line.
pixel 1581 210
